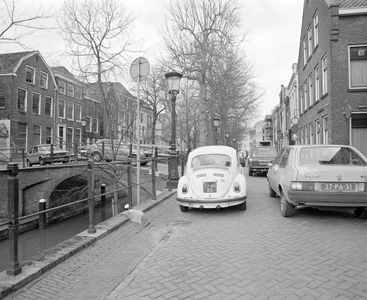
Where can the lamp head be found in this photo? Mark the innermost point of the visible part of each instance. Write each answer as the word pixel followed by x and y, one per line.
pixel 173 79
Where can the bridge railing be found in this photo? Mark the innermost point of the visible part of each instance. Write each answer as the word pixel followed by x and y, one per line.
pixel 15 267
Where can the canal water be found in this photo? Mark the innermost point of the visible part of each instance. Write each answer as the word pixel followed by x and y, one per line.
pixel 34 242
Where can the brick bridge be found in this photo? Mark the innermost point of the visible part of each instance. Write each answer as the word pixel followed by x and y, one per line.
pixel 58 184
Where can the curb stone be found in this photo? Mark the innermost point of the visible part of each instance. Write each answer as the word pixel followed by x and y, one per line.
pixel 50 258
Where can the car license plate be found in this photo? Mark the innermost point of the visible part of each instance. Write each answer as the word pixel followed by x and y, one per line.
pixel 210 187
pixel 332 187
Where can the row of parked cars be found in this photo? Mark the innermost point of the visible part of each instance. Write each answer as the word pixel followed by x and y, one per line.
pixel 326 177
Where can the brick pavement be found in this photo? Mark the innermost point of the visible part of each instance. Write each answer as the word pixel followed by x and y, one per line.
pixel 226 254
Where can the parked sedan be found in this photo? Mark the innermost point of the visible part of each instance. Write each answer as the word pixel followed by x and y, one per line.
pixel 259 159
pixel 319 176
pixel 42 154
pixel 213 179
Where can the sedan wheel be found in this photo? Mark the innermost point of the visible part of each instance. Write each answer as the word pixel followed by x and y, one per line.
pixel 42 162
pixel 97 157
pixel 285 207
pixel 184 208
pixel 243 206
pixel 272 193
pixel 361 213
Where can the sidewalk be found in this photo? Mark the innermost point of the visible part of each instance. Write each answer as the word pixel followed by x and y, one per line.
pixel 61 252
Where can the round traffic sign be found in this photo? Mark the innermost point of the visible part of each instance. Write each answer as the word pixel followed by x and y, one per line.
pixel 139 69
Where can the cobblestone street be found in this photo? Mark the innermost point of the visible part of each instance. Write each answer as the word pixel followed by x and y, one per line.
pixel 225 254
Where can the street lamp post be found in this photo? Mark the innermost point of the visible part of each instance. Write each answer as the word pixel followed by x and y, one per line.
pixel 216 123
pixel 173 79
pixel 227 137
pixel 234 143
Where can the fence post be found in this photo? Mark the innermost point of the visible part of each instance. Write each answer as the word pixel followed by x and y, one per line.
pixel 91 228
pixel 169 173
pixel 23 157
pixel 153 179
pixel 52 153
pixel 13 210
pixel 130 183
pixel 42 223
pixel 103 202
pixel 76 151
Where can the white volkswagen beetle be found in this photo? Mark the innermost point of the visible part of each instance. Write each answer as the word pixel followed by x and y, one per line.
pixel 214 178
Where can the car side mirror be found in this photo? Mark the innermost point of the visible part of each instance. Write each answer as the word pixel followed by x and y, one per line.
pixel 270 164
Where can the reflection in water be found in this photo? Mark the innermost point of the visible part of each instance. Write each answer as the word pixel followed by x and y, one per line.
pixel 36 241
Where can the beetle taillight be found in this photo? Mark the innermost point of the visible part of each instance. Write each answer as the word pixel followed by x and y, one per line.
pixel 185 188
pixel 236 187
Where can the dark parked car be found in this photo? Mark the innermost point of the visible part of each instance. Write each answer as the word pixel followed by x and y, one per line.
pixel 259 159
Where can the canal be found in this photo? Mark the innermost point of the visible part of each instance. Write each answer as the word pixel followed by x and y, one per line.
pixel 34 242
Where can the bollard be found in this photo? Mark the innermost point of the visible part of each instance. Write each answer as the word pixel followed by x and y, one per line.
pixel 182 165
pixel 103 202
pixel 42 223
pixel 13 209
pixel 91 228
pixel 169 174
pixel 23 157
pixel 52 153
pixel 130 184
pixel 154 194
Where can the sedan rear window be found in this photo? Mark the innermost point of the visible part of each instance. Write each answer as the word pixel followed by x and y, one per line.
pixel 264 152
pixel 220 160
pixel 330 156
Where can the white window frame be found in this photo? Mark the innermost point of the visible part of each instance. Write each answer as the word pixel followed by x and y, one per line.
pixel 324 75
pixel 62 87
pixel 310 42
pixel 317 83
pixel 33 76
pixel 40 134
pixel 325 130
pixel 78 117
pixel 350 67
pixel 316 29
pixel 311 129
pixel 70 92
pixel 304 51
pixel 301 107
pixel 77 88
pixel 80 136
pixel 96 119
pixel 90 124
pixel 72 112
pixel 58 109
pixel 39 103
pixel 310 91
pixel 318 131
pixel 46 80
pixel 305 90
pixel 52 106
pixel 52 138
pixel 25 99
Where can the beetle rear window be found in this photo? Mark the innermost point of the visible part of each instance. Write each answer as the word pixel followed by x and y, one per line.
pixel 220 160
pixel 330 156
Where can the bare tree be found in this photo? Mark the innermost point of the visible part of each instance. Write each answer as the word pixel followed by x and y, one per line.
pixel 18 20
pixel 195 31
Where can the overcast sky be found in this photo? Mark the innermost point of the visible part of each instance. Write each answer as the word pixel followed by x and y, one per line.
pixel 272 39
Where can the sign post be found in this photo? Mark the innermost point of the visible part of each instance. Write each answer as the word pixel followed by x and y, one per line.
pixel 139 71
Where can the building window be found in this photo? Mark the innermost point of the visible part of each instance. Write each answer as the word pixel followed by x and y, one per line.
pixel 317 84
pixel 36 134
pixel 310 90
pixel 311 134
pixel 305 89
pixel 62 87
pixel 30 74
pixel 304 52
pixel 70 90
pixel 2 102
pixel 62 109
pixel 324 74
pixel 316 29
pixel 78 112
pixel 325 128
pixel 43 80
pixel 95 125
pixel 358 67
pixel 48 135
pixel 78 93
pixel 36 103
pixel 70 111
pixel 22 100
pixel 88 126
pixel 303 135
pixel 309 37
pixel 78 136
pixel 318 132
pixel 301 105
pixel 48 106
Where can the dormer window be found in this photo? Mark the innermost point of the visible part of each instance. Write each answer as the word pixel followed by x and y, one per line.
pixel 30 74
pixel 62 87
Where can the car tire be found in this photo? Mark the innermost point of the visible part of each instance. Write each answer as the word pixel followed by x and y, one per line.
pixel 42 162
pixel 285 207
pixel 272 193
pixel 96 156
pixel 243 206
pixel 29 164
pixel 361 212
pixel 184 208
pixel 249 172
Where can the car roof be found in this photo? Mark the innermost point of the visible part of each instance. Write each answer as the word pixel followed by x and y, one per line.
pixel 215 149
